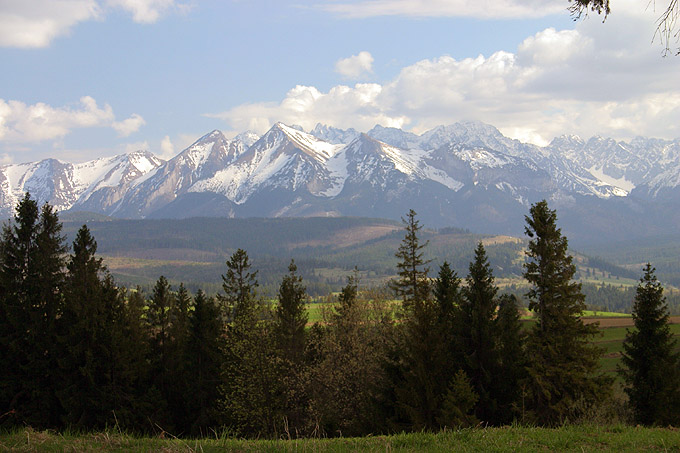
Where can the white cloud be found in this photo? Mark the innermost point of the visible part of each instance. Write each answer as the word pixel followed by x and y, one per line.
pixel 22 123
pixel 136 146
pixel 147 11
pixel 129 125
pixel 36 23
pixel 600 78
pixel 167 148
pixel 355 66
pixel 482 9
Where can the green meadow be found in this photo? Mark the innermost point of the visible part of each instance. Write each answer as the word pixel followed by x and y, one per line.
pixel 577 438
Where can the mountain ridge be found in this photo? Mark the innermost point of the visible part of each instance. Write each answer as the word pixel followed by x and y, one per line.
pixel 466 174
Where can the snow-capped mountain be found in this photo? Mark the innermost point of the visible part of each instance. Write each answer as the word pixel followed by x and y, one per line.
pixel 467 174
pixel 74 186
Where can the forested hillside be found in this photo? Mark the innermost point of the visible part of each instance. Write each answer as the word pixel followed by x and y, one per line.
pixel 85 353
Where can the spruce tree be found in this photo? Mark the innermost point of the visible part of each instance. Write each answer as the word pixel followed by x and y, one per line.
pixel 650 362
pixel 347 379
pixel 479 343
pixel 85 325
pixel 240 286
pixel 31 279
pixel 291 316
pixel 250 386
pixel 511 339
pixel 203 358
pixel 563 377
pixel 158 313
pixel 412 286
pixel 446 351
pixel 417 391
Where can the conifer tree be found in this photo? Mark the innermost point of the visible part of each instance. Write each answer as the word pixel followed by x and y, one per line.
pixel 31 279
pixel 290 320
pixel 203 358
pixel 482 361
pixel 347 379
pixel 563 363
pixel 447 350
pixel 158 313
pixel 511 341
pixel 85 325
pixel 650 362
pixel 291 316
pixel 251 386
pixel 417 394
pixel 413 284
pixel 239 285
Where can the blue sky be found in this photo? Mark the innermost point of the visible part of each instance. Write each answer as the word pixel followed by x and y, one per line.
pixel 87 78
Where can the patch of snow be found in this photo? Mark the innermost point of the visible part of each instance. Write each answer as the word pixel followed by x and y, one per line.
pixel 621 183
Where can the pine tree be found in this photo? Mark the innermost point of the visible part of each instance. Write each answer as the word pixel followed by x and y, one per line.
pixel 482 361
pixel 291 316
pixel 347 378
pixel 413 284
pixel 240 286
pixel 511 341
pixel 446 351
pixel 290 320
pixel 85 366
pixel 31 278
pixel 563 363
pixel 158 317
pixel 650 363
pixel 203 358
pixel 417 393
pixel 251 385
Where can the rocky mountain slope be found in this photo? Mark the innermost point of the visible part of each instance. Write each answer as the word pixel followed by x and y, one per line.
pixel 466 174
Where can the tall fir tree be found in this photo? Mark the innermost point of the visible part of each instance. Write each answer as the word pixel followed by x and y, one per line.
pixel 85 326
pixel 290 320
pixel 511 340
pixel 479 343
pixel 203 358
pixel 291 316
pixel 563 378
pixel 158 313
pixel 250 386
pixel 31 279
pixel 417 395
pixel 650 363
pixel 412 286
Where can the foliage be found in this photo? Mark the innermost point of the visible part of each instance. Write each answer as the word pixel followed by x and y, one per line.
pixel 562 369
pixel 650 363
pixel 478 336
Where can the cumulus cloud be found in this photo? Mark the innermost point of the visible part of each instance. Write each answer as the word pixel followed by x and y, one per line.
pixel 355 66
pixel 481 9
pixel 596 79
pixel 167 148
pixel 36 23
pixel 147 11
pixel 22 123
pixel 129 125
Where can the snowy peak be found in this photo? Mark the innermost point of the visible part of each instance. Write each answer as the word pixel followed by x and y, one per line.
pixel 334 135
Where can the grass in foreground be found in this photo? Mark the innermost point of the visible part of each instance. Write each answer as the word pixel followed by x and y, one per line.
pixel 570 438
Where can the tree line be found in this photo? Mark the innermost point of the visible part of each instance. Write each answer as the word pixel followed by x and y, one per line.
pixel 80 352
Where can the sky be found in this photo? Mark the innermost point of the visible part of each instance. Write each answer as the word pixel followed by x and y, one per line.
pixel 82 79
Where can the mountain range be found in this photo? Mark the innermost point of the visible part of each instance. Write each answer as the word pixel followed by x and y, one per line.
pixel 467 174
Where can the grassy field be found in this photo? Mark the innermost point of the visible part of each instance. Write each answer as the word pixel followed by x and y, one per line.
pixel 570 438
